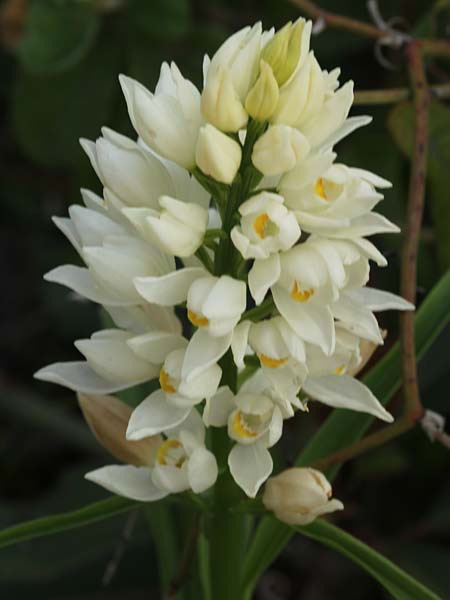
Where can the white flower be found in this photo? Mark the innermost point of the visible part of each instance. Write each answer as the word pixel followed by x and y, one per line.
pixel 297 496
pixel 177 229
pixel 229 77
pixel 135 176
pixel 279 149
pixel 255 422
pixel 312 276
pixel 169 120
pixel 267 226
pixel 338 203
pixel 182 463
pixel 217 154
pixel 115 360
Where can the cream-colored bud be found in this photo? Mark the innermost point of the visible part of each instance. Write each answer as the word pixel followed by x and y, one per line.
pixel 217 154
pixel 108 419
pixel 297 496
pixel 286 49
pixel 220 103
pixel 262 99
pixel 279 150
pixel 366 348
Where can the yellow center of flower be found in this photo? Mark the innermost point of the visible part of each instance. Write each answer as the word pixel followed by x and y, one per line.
pixel 197 319
pixel 319 189
pixel 339 370
pixel 301 295
pixel 260 225
pixel 271 363
pixel 169 454
pixel 165 383
pixel 240 427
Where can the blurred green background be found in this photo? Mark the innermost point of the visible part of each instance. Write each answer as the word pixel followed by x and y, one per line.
pixel 59 62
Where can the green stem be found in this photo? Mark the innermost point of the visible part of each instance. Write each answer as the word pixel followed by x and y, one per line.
pixel 226 541
pixel 258 312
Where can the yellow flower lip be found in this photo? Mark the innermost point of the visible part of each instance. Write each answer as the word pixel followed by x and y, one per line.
pixel 197 319
pixel 319 189
pixel 272 363
pixel 164 382
pixel 260 224
pixel 301 295
pixel 240 428
pixel 162 457
pixel 340 370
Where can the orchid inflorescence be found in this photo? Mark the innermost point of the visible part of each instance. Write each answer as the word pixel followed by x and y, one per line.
pixel 230 250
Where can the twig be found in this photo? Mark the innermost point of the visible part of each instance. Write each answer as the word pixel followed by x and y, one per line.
pixel 124 540
pixel 394 95
pixel 371 441
pixel 413 406
pixel 188 554
pixel 429 47
pixel 413 411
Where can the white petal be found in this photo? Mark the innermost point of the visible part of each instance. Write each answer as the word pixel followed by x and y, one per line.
pixel 250 466
pixel 311 322
pixel 203 351
pixel 262 275
pixel 202 470
pixel 343 391
pixel 357 318
pixel 239 343
pixel 80 280
pixel 128 481
pixel 226 299
pixel 153 416
pixel 365 225
pixel 156 345
pixel 169 289
pixel 218 408
pixel 79 376
pixel 378 300
pixel 169 478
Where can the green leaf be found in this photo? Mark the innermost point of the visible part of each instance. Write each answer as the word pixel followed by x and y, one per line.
pixel 69 520
pixel 57 35
pixel 51 113
pixel 344 427
pixel 401 585
pixel 401 125
pixel 162 527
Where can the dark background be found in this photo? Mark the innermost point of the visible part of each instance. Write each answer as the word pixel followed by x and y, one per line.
pixel 59 62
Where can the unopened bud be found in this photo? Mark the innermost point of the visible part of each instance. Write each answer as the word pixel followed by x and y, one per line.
pixel 217 154
pixel 286 48
pixel 108 419
pixel 262 99
pixel 279 150
pixel 297 496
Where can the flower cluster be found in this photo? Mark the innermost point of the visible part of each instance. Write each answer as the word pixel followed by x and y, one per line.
pixel 228 239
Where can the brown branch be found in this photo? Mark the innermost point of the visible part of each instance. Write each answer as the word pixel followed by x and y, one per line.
pixel 413 405
pixel 413 411
pixel 371 441
pixel 394 95
pixel 188 554
pixel 429 47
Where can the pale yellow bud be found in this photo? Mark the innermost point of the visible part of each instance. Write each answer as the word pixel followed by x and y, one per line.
pixel 108 419
pixel 284 51
pixel 262 99
pixel 217 154
pixel 279 150
pixel 220 103
pixel 298 496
